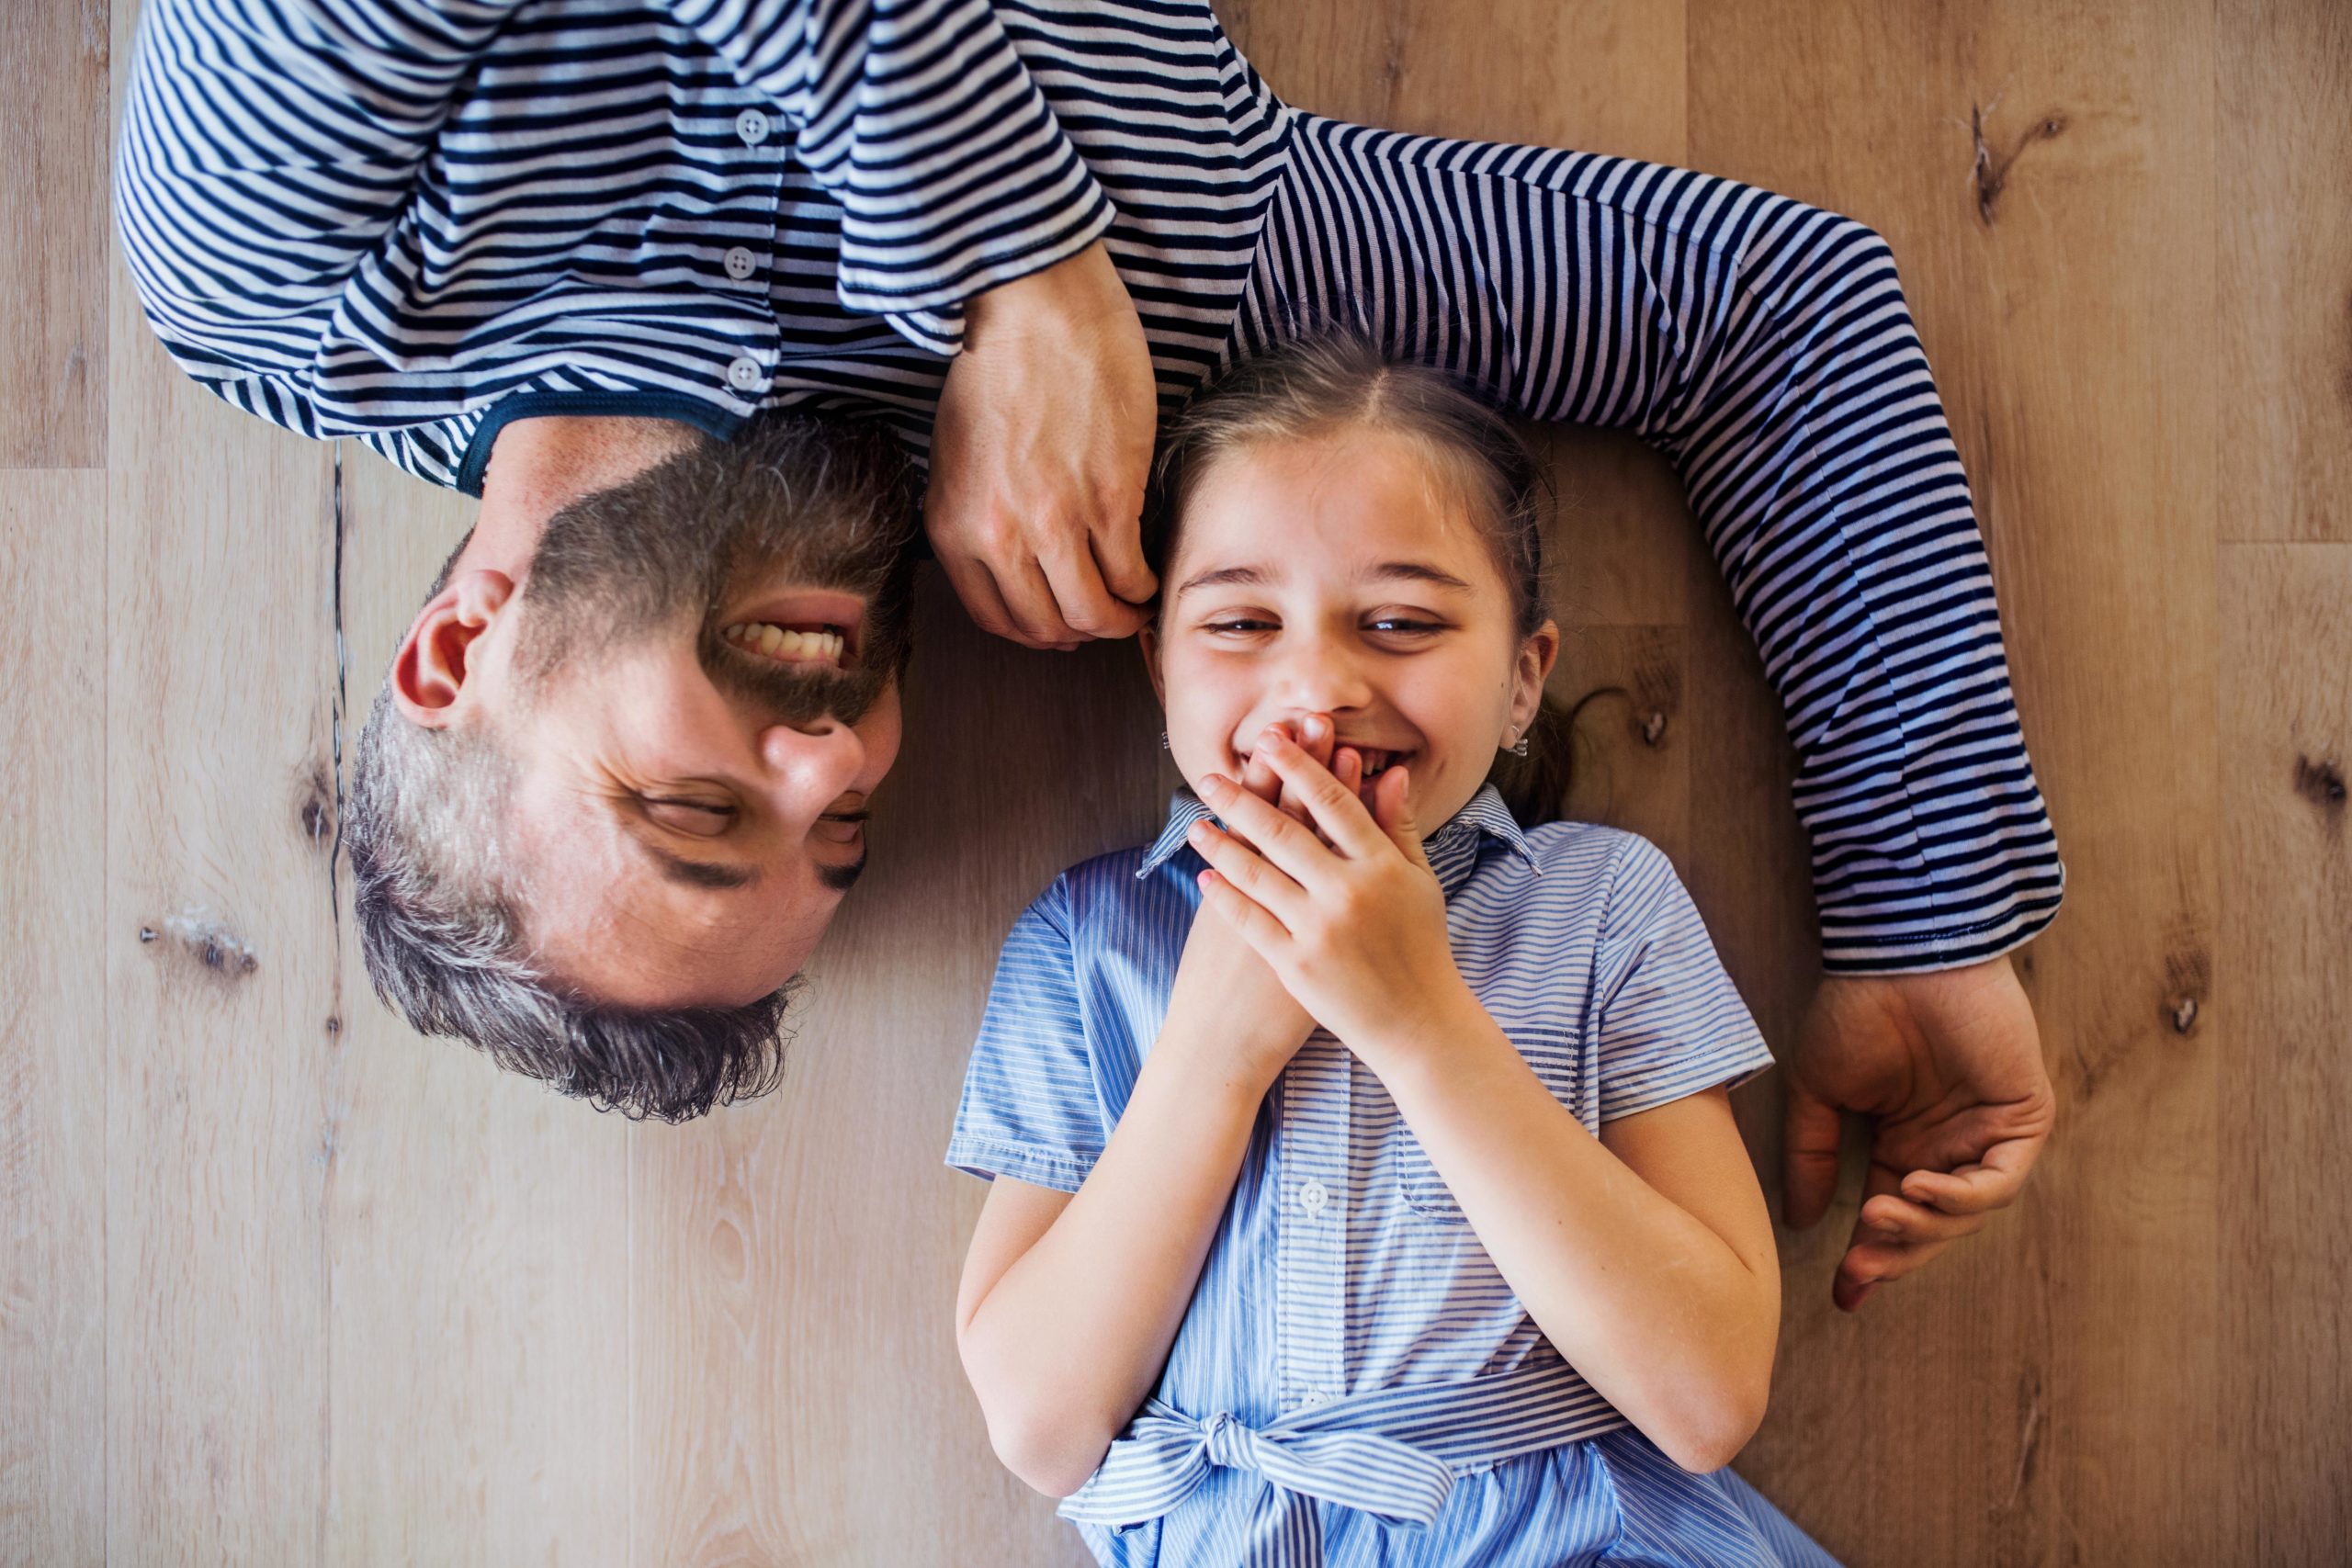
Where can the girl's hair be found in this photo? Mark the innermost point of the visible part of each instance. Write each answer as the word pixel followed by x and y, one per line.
pixel 1331 380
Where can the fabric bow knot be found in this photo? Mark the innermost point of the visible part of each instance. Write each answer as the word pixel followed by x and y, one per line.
pixel 1166 1455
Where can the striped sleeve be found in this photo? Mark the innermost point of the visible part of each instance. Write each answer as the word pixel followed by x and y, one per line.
pixel 920 119
pixel 1030 1110
pixel 1670 1022
pixel 265 150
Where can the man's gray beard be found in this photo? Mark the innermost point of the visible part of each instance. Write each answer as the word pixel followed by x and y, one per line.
pixel 793 504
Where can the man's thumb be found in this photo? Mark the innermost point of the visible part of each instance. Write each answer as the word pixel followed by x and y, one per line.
pixel 1809 1140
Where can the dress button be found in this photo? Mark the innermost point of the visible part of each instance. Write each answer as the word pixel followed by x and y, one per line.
pixel 740 263
pixel 744 374
pixel 1312 1196
pixel 752 127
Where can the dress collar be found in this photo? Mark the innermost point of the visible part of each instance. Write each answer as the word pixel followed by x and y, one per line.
pixel 1453 849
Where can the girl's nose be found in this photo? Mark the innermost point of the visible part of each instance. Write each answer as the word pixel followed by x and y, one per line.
pixel 1321 676
pixel 810 768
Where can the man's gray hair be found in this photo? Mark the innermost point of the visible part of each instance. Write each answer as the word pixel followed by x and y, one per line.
pixel 432 892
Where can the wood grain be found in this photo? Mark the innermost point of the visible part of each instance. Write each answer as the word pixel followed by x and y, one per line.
pixel 55 235
pixel 477 1224
pixel 53 1024
pixel 2285 985
pixel 2284 161
pixel 222 1073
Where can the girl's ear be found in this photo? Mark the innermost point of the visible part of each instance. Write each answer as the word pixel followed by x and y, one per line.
pixel 1536 657
pixel 1148 639
pixel 435 659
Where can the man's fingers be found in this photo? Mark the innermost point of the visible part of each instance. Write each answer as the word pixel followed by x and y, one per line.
pixel 1081 601
pixel 1887 1219
pixel 975 586
pixel 1118 552
pixel 1992 1183
pixel 1029 599
pixel 1810 1132
pixel 1867 1267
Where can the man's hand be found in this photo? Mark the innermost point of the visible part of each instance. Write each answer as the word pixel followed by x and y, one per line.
pixel 1039 456
pixel 1948 1067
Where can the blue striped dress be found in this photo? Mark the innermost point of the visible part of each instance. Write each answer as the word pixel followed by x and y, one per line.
pixel 411 221
pixel 1353 1381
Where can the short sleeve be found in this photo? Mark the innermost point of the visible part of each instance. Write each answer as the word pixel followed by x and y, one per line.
pixel 1670 1022
pixel 1030 1110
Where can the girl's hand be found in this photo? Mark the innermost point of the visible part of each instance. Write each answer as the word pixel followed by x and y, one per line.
pixel 1346 911
pixel 1225 981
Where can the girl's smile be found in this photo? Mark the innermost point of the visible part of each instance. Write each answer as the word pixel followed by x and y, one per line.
pixel 1343 574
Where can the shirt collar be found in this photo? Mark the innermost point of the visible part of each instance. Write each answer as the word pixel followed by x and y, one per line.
pixel 1453 849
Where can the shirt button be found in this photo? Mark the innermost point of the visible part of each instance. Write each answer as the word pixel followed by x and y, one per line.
pixel 1314 1399
pixel 1312 1196
pixel 744 374
pixel 739 264
pixel 752 127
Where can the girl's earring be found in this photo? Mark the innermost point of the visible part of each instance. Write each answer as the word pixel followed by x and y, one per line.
pixel 1163 740
pixel 1518 747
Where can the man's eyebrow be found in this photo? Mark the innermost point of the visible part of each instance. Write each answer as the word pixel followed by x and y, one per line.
pixel 842 878
pixel 696 872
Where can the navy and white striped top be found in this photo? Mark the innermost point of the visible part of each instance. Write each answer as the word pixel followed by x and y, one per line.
pixel 409 221
pixel 1351 1362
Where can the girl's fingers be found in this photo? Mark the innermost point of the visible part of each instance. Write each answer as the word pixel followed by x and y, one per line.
pixel 1260 779
pixel 1249 920
pixel 1291 846
pixel 1336 812
pixel 1247 870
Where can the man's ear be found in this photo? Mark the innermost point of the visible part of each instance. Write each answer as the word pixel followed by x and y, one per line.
pixel 1536 657
pixel 1148 639
pixel 435 659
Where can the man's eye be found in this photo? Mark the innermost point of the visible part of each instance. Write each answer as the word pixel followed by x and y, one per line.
pixel 704 818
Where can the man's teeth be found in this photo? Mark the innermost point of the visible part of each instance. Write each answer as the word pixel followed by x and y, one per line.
pixel 825 647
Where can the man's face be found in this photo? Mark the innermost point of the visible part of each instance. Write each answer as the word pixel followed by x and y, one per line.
pixel 699 694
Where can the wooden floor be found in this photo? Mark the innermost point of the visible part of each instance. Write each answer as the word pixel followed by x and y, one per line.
pixel 282 1285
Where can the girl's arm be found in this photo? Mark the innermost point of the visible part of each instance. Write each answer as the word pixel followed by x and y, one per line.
pixel 1069 1302
pixel 1644 1255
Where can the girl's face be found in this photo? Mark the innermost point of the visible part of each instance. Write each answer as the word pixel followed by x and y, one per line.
pixel 1343 575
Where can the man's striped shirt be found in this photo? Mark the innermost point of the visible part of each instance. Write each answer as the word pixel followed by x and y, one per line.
pixel 411 221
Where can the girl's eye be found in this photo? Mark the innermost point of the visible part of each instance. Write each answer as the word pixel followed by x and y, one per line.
pixel 1242 625
pixel 1406 625
pixel 704 819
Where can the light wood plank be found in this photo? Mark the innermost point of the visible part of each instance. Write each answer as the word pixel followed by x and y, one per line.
pixel 224 1076
pixel 54 236
pixel 2285 983
pixel 52 1026
pixel 2285 301
pixel 2000 1397
pixel 478 1226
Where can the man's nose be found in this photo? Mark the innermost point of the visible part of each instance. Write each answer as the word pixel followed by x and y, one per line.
pixel 810 766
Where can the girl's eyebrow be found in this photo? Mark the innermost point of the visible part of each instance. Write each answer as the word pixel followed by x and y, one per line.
pixel 1256 576
pixel 1224 577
